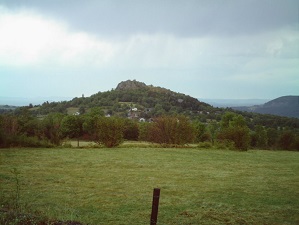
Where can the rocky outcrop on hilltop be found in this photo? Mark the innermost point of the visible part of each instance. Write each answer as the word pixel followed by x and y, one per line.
pixel 130 85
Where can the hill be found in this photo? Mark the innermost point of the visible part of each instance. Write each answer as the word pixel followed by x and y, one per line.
pixel 287 106
pixel 228 103
pixel 7 108
pixel 131 99
pixel 138 101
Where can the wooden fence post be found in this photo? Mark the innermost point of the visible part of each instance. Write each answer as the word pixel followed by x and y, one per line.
pixel 155 206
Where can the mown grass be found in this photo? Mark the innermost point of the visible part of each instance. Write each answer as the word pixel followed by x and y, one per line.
pixel 114 186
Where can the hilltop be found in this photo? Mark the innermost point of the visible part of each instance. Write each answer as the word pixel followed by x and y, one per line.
pixel 287 106
pixel 130 85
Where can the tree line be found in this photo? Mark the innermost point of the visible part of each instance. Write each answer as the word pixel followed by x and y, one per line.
pixel 232 130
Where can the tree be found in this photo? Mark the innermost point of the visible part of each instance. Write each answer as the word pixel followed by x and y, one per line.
pixel 201 132
pixel 82 110
pixel 28 125
pixel 296 143
pixel 2 136
pixel 143 130
pixel 158 110
pixel 185 131
pixel 109 131
pixel 227 119
pixel 131 131
pixel 259 137
pixel 96 112
pixel 31 127
pixel 286 140
pixel 90 123
pixel 50 127
pixel 234 128
pixel 272 135
pixel 72 127
pixel 171 130
pixel 10 125
pixel 213 129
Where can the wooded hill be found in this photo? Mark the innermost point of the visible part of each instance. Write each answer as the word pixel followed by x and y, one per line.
pixel 283 106
pixel 136 100
pixel 130 99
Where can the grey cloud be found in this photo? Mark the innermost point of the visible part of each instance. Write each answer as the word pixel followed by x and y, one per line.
pixel 180 18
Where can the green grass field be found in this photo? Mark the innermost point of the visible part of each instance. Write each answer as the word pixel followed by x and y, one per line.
pixel 114 186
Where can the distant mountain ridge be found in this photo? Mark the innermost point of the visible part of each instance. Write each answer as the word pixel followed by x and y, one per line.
pixel 228 103
pixel 25 101
pixel 287 106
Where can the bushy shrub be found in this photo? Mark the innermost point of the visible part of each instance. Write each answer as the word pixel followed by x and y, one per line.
pixel 25 141
pixel 143 131
pixel 110 131
pixel 131 130
pixel 171 130
pixel 286 140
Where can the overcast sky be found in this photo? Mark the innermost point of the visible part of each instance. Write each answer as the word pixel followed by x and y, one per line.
pixel 204 48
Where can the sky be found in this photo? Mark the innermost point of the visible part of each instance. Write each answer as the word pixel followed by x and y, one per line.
pixel 212 49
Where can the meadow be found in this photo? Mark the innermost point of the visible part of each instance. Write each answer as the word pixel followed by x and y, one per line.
pixel 114 186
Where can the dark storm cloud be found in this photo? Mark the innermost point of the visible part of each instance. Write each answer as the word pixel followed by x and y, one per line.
pixel 180 18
